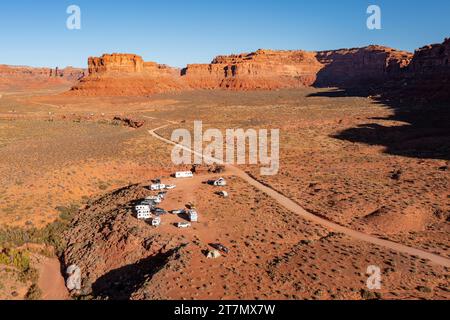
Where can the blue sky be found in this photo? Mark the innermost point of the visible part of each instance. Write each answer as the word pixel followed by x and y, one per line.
pixel 177 32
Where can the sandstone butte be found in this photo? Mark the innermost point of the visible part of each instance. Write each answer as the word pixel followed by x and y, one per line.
pixel 127 74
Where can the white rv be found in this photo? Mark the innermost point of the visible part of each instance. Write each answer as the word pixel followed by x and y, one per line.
pixel 220 182
pixel 155 199
pixel 156 222
pixel 193 215
pixel 184 174
pixel 157 187
pixel 143 212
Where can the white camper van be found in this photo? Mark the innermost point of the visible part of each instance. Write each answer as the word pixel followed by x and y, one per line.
pixel 220 182
pixel 156 222
pixel 157 187
pixel 193 215
pixel 184 174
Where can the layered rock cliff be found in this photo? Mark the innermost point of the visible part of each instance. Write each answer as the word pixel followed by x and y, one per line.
pixel 427 77
pixel 127 75
pixel 368 67
pixel 263 69
pixel 360 66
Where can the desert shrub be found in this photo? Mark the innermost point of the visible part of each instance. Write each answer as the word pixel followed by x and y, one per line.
pixel 15 258
pixel 67 213
pixel 51 235
pixel 34 293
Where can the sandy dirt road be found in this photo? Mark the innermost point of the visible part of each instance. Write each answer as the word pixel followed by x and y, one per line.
pixel 294 207
pixel 50 280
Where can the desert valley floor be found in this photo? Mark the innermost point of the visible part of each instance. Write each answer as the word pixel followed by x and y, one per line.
pixel 366 165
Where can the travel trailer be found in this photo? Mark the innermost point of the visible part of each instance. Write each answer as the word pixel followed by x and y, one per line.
pixel 184 174
pixel 157 187
pixel 193 215
pixel 156 222
pixel 220 182
pixel 143 212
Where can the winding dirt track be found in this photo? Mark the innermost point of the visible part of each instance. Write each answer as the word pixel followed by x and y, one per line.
pixel 294 207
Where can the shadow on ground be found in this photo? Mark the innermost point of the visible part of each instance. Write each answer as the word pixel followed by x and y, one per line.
pixel 424 131
pixel 121 283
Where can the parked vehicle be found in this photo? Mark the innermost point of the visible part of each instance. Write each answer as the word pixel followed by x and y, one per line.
pixel 162 194
pixel 171 186
pixel 220 182
pixel 193 215
pixel 220 247
pixel 177 211
pixel 155 199
pixel 223 194
pixel 150 203
pixel 156 222
pixel 184 174
pixel 157 187
pixel 183 225
pixel 159 211
pixel 143 212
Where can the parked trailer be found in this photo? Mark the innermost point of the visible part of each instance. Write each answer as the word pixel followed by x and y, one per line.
pixel 143 212
pixel 156 222
pixel 157 187
pixel 184 174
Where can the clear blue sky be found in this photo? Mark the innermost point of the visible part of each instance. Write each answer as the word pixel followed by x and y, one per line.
pixel 177 32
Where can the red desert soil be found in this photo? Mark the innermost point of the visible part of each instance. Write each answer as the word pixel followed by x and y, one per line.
pixel 373 168
pixel 51 282
pixel 294 207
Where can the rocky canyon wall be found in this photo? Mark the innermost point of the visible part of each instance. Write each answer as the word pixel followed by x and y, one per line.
pixel 367 67
pixel 360 66
pixel 263 69
pixel 427 77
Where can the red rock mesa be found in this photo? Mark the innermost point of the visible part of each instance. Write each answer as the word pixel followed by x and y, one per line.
pixel 263 69
pixel 127 75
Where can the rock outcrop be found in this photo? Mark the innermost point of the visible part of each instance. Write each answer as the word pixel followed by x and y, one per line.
pixel 431 59
pixel 360 66
pixel 18 77
pixel 117 253
pixel 428 76
pixel 263 69
pixel 127 75
pixel 371 67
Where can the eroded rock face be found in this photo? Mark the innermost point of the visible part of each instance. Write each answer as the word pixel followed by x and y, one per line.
pixel 28 77
pixel 427 78
pixel 263 69
pixel 371 67
pixel 120 63
pixel 432 59
pixel 126 75
pixel 360 66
